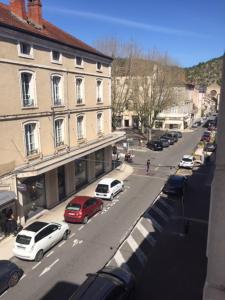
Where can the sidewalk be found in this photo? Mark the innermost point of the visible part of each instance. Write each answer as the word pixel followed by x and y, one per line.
pixel 56 213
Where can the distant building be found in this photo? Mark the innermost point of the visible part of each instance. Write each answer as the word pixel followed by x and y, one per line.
pixel 55 111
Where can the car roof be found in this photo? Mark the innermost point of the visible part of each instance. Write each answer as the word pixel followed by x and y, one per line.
pixel 106 180
pixel 80 199
pixel 187 156
pixel 36 226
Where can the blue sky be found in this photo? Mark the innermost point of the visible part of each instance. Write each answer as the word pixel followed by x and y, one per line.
pixel 188 31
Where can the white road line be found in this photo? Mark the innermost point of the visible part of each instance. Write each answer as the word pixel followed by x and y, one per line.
pixel 95 215
pixel 81 227
pixel 155 223
pixel 160 212
pixel 3 294
pixel 89 221
pixel 24 275
pixel 156 168
pixel 47 269
pixel 72 235
pixel 146 234
pixel 80 242
pixel 137 250
pixel 35 266
pixel 75 242
pixel 61 244
pixel 119 258
pixel 50 253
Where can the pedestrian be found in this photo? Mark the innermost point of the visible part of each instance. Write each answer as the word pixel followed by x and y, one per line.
pixel 148 166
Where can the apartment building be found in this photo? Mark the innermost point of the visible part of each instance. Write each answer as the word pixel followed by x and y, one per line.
pixel 55 111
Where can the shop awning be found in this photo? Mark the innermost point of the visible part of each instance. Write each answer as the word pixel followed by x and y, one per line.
pixel 6 197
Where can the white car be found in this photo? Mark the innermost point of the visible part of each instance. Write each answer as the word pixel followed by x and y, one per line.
pixel 107 188
pixel 34 240
pixel 187 162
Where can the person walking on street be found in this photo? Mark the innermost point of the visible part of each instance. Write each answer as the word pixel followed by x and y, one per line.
pixel 148 166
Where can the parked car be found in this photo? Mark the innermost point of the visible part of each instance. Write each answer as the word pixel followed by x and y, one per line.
pixel 155 145
pixel 206 136
pixel 35 239
pixel 187 162
pixel 10 274
pixel 164 141
pixel 175 185
pixel 107 188
pixel 107 284
pixel 210 147
pixel 179 133
pixel 81 208
pixel 173 134
pixel 170 139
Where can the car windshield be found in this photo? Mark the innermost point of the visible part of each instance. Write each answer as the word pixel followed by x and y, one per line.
pixel 102 188
pixel 187 159
pixel 73 206
pixel 206 134
pixel 23 239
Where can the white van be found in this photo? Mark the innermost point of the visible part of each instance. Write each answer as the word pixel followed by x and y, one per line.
pixel 107 188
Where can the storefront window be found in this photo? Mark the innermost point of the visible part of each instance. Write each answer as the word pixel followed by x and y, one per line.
pixel 99 163
pixel 61 183
pixel 34 199
pixel 81 172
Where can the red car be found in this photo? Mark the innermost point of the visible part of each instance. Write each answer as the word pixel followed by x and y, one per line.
pixel 81 208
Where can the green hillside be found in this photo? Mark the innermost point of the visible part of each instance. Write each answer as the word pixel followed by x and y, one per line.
pixel 205 73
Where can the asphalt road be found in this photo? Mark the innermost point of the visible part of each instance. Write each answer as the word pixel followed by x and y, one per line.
pixel 89 247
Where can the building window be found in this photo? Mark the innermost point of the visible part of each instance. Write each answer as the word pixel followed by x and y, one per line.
pixel 99 66
pixel 99 123
pixel 25 50
pixel 28 90
pixel 57 90
pixel 31 138
pixel 56 56
pixel 80 90
pixel 80 127
pixel 79 61
pixel 99 91
pixel 59 132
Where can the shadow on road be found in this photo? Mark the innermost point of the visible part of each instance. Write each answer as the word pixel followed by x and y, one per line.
pixel 61 291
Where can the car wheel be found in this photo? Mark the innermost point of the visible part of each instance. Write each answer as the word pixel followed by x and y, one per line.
pixel 101 207
pixel 122 189
pixel 13 279
pixel 65 235
pixel 39 256
pixel 85 220
pixel 111 197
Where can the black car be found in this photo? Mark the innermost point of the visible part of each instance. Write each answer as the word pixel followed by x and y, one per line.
pixel 155 145
pixel 175 185
pixel 107 284
pixel 178 133
pixel 170 139
pixel 210 147
pixel 10 274
pixel 164 141
pixel 172 135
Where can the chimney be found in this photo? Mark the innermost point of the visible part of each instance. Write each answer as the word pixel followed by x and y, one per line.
pixel 18 8
pixel 35 11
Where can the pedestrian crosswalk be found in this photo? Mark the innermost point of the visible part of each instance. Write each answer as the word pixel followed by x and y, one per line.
pixel 136 249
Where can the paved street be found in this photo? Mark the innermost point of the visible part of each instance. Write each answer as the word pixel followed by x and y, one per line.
pixel 91 246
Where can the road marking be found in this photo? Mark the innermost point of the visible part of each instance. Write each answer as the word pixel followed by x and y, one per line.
pixel 137 250
pixel 146 234
pixel 161 213
pixel 155 223
pixel 80 242
pixel 89 221
pixel 35 266
pixel 61 244
pixel 72 235
pixel 116 200
pixel 156 169
pixel 3 294
pixel 24 275
pixel 75 242
pixel 119 258
pixel 47 269
pixel 81 227
pixel 50 253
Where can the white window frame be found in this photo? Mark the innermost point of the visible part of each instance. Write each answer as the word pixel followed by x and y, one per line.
pixel 97 68
pixel 60 92
pixel 80 99
pixel 31 150
pixel 21 54
pixel 32 94
pixel 83 133
pixel 99 122
pixel 82 62
pixel 99 91
pixel 59 61
pixel 59 139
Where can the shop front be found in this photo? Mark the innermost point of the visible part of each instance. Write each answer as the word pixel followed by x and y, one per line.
pixel 34 196
pixel 99 162
pixel 61 183
pixel 81 173
pixel 7 203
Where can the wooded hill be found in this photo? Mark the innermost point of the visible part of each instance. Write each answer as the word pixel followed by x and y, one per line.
pixel 205 73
